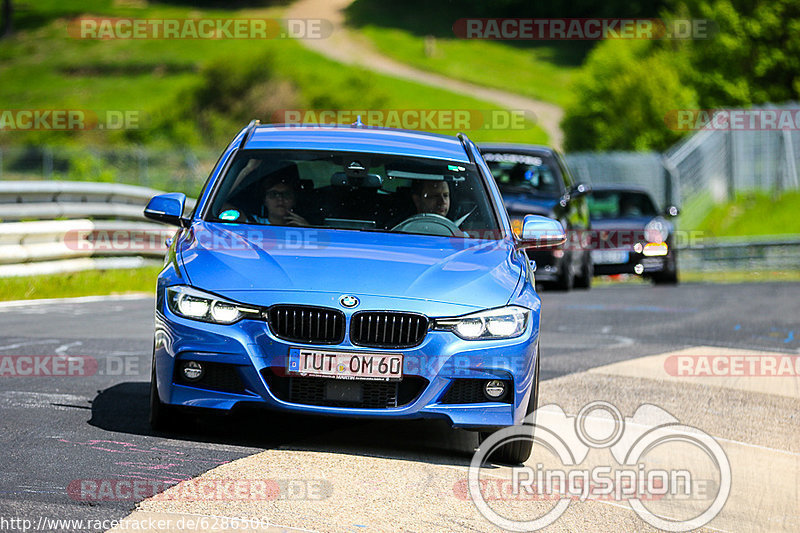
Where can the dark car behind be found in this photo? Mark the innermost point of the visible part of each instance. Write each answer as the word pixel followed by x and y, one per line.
pixel 630 234
pixel 536 180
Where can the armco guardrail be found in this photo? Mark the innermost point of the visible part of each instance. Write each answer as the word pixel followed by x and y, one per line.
pixel 747 253
pixel 117 236
pixel 70 199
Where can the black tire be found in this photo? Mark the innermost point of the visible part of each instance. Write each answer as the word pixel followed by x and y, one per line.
pixel 566 279
pixel 162 416
pixel 667 278
pixel 670 275
pixel 584 281
pixel 518 451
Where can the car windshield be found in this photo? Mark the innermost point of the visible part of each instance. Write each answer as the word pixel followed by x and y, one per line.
pixel 355 191
pixel 524 173
pixel 620 204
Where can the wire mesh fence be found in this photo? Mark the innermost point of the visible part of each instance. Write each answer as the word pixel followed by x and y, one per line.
pixel 713 164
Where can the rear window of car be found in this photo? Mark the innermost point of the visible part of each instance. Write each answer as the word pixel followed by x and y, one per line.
pixel 620 204
pixel 525 173
pixel 353 191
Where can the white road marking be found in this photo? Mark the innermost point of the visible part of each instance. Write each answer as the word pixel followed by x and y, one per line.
pixel 61 350
pixel 78 300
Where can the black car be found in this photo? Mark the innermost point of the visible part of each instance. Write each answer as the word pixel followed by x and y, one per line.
pixel 536 180
pixel 630 234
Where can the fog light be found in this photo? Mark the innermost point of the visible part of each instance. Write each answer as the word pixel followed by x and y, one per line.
pixel 638 269
pixel 192 371
pixel 494 389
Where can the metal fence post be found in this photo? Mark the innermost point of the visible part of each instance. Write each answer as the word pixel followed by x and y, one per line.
pixel 729 164
pixel 788 153
pixel 47 162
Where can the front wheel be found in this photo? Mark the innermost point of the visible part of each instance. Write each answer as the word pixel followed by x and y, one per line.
pixel 518 451
pixel 584 281
pixel 162 416
pixel 566 278
pixel 670 274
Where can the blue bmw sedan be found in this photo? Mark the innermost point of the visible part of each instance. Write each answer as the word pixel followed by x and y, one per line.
pixel 349 271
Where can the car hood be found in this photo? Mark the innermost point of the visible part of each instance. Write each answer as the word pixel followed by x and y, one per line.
pixel 231 258
pixel 621 224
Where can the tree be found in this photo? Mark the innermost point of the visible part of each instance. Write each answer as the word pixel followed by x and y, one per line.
pixel 623 95
pixel 754 55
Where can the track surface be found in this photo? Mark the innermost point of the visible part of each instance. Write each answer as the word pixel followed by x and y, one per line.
pixel 56 430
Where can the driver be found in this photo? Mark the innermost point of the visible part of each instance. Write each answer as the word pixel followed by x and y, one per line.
pixel 431 196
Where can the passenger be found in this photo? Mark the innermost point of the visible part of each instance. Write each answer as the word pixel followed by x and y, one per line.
pixel 431 197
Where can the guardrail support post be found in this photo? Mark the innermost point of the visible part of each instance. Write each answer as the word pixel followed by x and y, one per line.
pixel 47 162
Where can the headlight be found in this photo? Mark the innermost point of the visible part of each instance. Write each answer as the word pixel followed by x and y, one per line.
pixel 502 323
pixel 192 303
pixel 656 230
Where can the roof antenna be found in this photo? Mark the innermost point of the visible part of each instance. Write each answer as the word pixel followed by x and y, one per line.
pixel 358 123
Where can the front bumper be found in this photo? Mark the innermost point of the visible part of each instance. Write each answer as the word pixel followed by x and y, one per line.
pixel 249 369
pixel 649 265
pixel 549 264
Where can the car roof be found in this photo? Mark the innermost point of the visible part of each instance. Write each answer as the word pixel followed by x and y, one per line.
pixel 620 188
pixel 516 148
pixel 357 139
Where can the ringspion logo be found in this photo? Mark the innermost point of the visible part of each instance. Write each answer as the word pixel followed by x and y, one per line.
pixel 649 461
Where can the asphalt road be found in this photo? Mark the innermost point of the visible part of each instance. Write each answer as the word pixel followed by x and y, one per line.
pixel 57 431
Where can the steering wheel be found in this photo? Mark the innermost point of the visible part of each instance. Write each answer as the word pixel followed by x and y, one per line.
pixel 429 224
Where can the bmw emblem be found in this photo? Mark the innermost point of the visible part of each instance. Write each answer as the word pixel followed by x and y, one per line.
pixel 348 301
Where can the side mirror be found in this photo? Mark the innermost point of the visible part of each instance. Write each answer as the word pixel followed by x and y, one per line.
pixel 167 208
pixel 541 232
pixel 672 211
pixel 580 189
pixel 574 192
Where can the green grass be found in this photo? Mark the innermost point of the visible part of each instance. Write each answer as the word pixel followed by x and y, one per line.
pixel 754 214
pixel 42 67
pixel 531 72
pixel 729 276
pixel 88 283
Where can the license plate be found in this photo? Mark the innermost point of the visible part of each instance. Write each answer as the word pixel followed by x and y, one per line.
pixel 609 257
pixel 344 365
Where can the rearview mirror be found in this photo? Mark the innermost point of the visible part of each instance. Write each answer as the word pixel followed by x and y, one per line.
pixel 367 181
pixel 541 232
pixel 167 208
